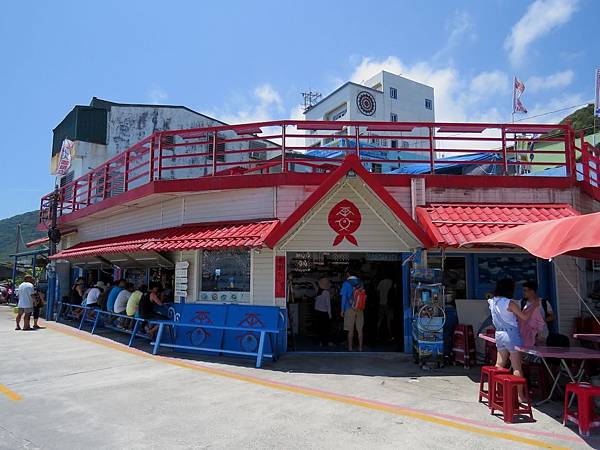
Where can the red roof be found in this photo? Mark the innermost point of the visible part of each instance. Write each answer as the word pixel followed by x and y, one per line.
pixel 450 225
pixel 351 163
pixel 204 236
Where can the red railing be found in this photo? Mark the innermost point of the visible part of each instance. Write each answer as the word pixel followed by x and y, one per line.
pixel 320 146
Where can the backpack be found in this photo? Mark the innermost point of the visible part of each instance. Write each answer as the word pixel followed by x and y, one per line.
pixel 359 297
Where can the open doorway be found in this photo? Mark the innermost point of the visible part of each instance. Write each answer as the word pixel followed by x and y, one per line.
pixel 381 274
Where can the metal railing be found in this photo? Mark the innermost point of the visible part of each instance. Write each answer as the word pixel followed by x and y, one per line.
pixel 320 146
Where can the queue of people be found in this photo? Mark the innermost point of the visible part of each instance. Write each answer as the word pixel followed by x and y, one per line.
pixel 123 298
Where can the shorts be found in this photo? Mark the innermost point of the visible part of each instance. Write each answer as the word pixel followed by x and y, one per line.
pixel 508 339
pixel 25 310
pixel 36 312
pixel 353 317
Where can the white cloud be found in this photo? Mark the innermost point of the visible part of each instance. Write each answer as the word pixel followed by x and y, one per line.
pixel 157 95
pixel 262 105
pixel 541 17
pixel 487 84
pixel 461 27
pixel 555 80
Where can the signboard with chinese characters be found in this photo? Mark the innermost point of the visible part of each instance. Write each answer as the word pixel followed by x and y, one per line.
pixel 181 280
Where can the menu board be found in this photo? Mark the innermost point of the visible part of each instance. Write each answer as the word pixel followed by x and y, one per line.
pixel 181 280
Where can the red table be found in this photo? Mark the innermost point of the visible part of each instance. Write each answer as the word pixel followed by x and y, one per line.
pixel 561 353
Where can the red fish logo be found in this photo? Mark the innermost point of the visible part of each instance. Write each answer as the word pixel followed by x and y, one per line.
pixel 344 218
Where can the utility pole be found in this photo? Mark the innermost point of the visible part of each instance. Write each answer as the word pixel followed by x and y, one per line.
pixel 54 237
pixel 15 259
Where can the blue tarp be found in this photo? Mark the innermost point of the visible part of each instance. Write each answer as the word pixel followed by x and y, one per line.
pixel 443 165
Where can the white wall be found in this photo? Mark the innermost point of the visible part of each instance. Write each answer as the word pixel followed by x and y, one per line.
pixel 568 307
pixel 263 277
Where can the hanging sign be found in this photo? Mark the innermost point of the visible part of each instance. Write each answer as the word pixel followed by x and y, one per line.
pixel 64 158
pixel 279 276
pixel 344 218
pixel 181 279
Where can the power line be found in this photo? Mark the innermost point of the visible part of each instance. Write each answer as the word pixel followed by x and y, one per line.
pixel 554 112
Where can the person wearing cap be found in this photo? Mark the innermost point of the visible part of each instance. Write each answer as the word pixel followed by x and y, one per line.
pixel 93 294
pixel 323 311
pixel 25 305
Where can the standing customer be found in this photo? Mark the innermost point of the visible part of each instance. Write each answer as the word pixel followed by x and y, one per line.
pixel 38 301
pixel 505 313
pixel 323 311
pixel 25 305
pixel 353 317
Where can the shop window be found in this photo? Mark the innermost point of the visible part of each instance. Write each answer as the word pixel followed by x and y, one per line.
pixel 226 270
pixel 393 117
pixel 454 275
pixel 376 168
pixel 393 93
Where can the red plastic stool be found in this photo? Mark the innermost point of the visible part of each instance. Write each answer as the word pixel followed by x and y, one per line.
pixel 585 416
pixel 506 397
pixel 487 374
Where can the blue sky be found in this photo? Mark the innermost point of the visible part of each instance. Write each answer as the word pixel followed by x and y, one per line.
pixel 241 61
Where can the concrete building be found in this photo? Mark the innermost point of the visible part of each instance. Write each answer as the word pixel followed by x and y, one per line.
pixel 385 97
pixel 104 129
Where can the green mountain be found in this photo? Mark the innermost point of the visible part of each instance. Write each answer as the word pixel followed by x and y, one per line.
pixel 8 233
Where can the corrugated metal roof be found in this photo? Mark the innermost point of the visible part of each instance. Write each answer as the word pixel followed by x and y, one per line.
pixel 454 224
pixel 204 236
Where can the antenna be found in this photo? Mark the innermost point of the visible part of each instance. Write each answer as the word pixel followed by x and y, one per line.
pixel 311 99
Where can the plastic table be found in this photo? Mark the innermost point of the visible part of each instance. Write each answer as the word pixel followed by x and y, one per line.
pixel 563 354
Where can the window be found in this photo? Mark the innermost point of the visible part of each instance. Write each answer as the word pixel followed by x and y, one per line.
pixel 226 270
pixel 428 104
pixel 376 168
pixel 393 93
pixel 405 144
pixel 338 115
pixel 394 143
pixel 393 117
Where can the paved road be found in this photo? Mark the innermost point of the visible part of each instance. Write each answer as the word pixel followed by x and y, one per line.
pixel 64 389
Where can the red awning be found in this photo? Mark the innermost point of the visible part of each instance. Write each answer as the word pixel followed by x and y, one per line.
pixel 450 225
pixel 577 236
pixel 189 237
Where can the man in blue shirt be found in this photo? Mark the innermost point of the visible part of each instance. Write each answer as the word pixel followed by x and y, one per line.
pixel 112 296
pixel 352 317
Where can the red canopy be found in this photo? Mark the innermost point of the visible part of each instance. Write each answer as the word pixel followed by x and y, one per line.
pixel 576 236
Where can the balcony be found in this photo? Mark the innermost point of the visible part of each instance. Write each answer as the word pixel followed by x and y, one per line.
pixel 318 147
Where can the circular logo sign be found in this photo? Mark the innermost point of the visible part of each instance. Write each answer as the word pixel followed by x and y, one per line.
pixel 366 103
pixel 344 218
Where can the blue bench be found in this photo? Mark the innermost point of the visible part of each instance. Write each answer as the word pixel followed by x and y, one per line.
pixel 69 308
pixel 133 333
pixel 259 353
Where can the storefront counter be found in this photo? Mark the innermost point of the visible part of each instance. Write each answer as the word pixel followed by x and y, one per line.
pixel 232 315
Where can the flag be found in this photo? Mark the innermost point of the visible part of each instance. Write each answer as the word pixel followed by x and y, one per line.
pixel 64 160
pixel 597 97
pixel 518 90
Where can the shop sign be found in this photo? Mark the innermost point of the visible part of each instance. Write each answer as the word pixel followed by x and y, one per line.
pixel 279 276
pixel 344 218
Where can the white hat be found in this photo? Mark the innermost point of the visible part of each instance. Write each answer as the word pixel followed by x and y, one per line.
pixel 100 284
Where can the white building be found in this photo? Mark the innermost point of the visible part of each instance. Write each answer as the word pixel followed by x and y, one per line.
pixel 105 129
pixel 385 97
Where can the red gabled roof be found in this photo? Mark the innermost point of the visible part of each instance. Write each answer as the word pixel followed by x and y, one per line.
pixel 451 224
pixel 200 236
pixel 351 163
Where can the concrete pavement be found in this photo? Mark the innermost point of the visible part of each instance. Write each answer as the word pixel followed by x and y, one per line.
pixel 77 391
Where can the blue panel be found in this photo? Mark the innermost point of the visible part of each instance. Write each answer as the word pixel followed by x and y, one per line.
pixel 202 314
pixel 250 317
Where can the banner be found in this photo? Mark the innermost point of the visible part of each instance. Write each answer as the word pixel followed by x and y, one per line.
pixel 519 88
pixel 597 97
pixel 64 160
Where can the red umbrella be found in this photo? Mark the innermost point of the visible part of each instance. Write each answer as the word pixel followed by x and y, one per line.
pixel 575 236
